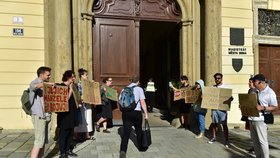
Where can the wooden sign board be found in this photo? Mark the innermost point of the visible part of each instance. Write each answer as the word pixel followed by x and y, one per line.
pixel 216 98
pixel 76 95
pixel 91 92
pixel 191 96
pixel 111 93
pixel 248 104
pixel 180 94
pixel 55 98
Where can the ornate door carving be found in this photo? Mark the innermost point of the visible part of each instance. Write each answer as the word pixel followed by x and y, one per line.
pixel 166 10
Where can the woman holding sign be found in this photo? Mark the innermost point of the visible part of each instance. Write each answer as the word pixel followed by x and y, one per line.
pixel 105 111
pixel 85 122
pixel 200 112
pixel 66 121
pixel 185 108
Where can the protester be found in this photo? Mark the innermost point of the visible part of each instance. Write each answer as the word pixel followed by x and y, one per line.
pixel 104 112
pixel 200 112
pixel 84 112
pixel 258 128
pixel 185 108
pixel 40 119
pixel 252 90
pixel 66 121
pixel 134 118
pixel 219 116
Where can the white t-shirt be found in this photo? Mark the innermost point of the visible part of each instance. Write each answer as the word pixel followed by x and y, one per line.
pixel 267 97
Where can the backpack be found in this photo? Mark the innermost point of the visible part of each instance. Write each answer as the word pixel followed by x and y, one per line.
pixel 127 99
pixel 26 104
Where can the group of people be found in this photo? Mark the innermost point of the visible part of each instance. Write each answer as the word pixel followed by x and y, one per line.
pixel 186 108
pixel 77 120
pixel 76 123
pixel 267 103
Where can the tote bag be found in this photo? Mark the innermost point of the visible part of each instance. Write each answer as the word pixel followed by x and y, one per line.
pixel 146 135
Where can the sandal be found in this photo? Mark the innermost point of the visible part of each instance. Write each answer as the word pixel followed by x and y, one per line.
pixel 90 138
pixel 97 127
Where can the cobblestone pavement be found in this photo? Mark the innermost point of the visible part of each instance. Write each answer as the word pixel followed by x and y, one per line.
pixel 167 142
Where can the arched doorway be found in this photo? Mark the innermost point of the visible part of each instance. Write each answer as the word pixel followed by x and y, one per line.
pixel 137 38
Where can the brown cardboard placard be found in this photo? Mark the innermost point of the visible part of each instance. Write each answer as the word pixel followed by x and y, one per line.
pixel 216 98
pixel 191 95
pixel 55 98
pixel 91 92
pixel 248 104
pixel 179 94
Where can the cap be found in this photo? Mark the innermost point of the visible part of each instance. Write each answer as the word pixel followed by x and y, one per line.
pixel 259 77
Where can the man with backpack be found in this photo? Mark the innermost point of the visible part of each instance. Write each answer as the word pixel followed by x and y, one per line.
pixel 132 116
pixel 40 119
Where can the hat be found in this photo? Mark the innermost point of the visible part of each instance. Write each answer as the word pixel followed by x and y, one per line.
pixel 259 77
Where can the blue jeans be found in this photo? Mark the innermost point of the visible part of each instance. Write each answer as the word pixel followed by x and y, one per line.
pixel 200 118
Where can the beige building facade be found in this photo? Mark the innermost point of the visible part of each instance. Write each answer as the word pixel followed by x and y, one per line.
pixel 60 33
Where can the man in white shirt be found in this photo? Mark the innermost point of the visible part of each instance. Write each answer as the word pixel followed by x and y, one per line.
pixel 258 128
pixel 219 116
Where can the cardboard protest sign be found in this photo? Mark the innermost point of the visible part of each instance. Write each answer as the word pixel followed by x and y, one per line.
pixel 179 94
pixel 216 98
pixel 248 104
pixel 96 92
pixel 91 92
pixel 111 93
pixel 191 96
pixel 76 95
pixel 55 98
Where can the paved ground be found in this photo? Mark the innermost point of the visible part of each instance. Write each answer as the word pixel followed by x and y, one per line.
pixel 168 142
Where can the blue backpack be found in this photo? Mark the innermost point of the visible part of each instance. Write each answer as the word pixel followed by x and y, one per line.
pixel 127 99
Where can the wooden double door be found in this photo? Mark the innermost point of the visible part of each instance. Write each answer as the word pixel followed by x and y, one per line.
pixel 117 42
pixel 115 53
pixel 269 66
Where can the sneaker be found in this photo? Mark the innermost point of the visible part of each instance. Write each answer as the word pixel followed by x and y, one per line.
pixel 211 141
pixel 122 154
pixel 201 135
pixel 227 144
pixel 106 131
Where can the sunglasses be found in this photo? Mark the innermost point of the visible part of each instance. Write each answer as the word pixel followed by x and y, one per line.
pixel 217 78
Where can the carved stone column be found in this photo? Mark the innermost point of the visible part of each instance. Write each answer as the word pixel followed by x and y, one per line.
pixel 187 49
pixel 82 34
pixel 58 44
pixel 213 29
pixel 58 37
